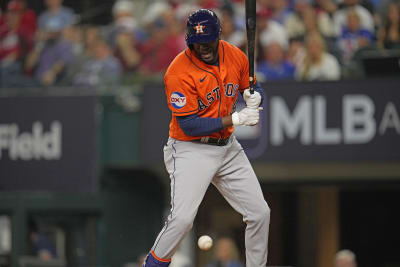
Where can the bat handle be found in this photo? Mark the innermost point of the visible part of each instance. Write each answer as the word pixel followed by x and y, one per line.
pixel 251 79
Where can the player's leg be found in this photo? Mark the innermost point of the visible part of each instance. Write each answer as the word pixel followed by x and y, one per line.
pixel 191 167
pixel 238 184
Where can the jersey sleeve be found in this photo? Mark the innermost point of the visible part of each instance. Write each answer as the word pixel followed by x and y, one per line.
pixel 181 96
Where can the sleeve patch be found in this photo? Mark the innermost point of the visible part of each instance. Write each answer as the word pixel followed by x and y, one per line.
pixel 178 100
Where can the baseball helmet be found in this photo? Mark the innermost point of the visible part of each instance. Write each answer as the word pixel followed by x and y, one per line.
pixel 203 26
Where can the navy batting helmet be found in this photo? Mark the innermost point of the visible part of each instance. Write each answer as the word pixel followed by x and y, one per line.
pixel 202 27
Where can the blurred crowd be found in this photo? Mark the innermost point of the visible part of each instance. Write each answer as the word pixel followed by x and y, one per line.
pixel 296 39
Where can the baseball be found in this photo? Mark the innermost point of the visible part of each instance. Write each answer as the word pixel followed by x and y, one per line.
pixel 205 242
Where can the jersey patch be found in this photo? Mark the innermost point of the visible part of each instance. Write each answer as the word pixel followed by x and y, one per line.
pixel 178 100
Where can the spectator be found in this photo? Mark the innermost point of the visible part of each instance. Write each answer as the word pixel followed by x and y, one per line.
pixel 226 254
pixel 274 65
pixel 296 52
pixel 42 247
pixel 164 44
pixel 353 37
pixel 262 16
pixel 65 16
pixel 74 35
pixel 389 33
pixel 262 19
pixel 175 29
pixel 280 11
pixel 127 49
pixel 325 11
pixel 209 4
pixel 345 258
pixel 122 12
pixel 310 20
pixel 154 11
pixel 340 16
pixel 183 10
pixel 239 12
pixel 317 64
pixel 21 17
pixel 274 31
pixel 101 68
pixel 90 35
pixel 230 32
pixel 51 53
pixel 124 20
pixel 17 28
pixel 302 21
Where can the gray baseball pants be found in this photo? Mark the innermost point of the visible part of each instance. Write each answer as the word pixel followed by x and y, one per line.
pixel 192 167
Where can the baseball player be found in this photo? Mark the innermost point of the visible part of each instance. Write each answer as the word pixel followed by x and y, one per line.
pixel 202 84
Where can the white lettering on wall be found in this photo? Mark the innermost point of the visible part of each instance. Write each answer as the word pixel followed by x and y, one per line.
pixel 390 119
pixel 308 121
pixel 323 135
pixel 35 145
pixel 359 125
pixel 283 123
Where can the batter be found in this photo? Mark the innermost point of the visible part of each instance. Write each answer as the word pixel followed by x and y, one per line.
pixel 201 86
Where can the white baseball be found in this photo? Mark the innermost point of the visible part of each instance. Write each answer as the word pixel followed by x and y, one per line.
pixel 205 242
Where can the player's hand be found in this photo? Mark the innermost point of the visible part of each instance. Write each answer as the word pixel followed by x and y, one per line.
pixel 247 116
pixel 252 100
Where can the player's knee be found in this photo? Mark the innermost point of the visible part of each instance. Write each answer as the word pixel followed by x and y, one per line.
pixel 263 214
pixel 267 212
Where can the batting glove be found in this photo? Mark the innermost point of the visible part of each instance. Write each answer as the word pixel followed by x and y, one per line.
pixel 247 116
pixel 252 100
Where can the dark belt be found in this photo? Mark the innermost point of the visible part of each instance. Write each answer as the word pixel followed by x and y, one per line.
pixel 213 141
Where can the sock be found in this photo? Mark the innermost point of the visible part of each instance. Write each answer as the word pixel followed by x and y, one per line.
pixel 153 261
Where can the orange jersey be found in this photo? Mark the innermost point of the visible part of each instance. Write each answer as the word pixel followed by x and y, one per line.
pixel 195 87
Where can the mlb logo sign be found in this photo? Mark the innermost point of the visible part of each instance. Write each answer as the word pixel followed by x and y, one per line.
pixel 178 100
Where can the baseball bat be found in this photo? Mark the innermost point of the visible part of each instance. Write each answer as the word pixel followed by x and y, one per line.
pixel 251 38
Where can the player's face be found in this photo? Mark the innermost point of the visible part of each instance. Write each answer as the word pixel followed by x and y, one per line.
pixel 207 52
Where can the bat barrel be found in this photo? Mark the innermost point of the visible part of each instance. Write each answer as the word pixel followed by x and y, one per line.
pixel 251 36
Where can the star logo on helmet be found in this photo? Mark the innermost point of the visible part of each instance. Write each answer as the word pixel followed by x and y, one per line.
pixel 199 28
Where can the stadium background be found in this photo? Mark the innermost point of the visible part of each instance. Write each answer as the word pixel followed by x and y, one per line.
pixel 84 167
